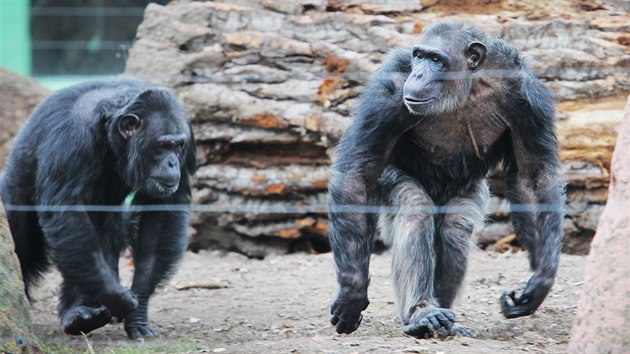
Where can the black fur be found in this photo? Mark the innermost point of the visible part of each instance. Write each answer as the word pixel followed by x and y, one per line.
pixel 436 118
pixel 72 152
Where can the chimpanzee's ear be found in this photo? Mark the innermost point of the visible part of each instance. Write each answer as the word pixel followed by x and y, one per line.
pixel 475 55
pixel 128 125
pixel 153 94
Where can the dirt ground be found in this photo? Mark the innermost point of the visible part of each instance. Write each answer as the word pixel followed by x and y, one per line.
pixel 281 305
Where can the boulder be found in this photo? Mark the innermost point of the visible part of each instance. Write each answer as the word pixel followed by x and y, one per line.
pixel 604 308
pixel 19 96
pixel 16 333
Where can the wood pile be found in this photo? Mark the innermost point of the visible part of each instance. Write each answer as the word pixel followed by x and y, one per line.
pixel 270 85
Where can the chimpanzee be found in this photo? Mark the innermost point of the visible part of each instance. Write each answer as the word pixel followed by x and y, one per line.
pixel 434 120
pixel 85 149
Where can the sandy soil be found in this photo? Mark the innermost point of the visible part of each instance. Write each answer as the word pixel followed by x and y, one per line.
pixel 281 305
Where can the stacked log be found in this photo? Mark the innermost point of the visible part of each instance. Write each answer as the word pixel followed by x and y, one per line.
pixel 270 86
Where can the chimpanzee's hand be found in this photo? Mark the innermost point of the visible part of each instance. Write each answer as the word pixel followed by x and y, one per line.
pixel 535 292
pixel 346 311
pixel 84 319
pixel 120 301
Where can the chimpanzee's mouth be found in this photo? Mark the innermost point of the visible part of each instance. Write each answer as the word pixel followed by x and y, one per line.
pixel 414 101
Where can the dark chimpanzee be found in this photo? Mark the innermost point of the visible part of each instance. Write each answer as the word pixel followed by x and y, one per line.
pixel 431 124
pixel 94 144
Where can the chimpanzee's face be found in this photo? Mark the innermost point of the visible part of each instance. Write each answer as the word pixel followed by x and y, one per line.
pixel 156 142
pixel 440 74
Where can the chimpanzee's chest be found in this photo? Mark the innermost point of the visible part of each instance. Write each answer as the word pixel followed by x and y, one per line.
pixel 450 137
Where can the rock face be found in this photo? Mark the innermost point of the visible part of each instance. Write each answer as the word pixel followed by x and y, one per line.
pixel 19 95
pixel 604 308
pixel 15 320
pixel 270 86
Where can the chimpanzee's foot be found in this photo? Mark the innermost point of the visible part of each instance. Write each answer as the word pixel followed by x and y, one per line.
pixel 454 331
pixel 135 331
pixel 85 319
pixel 137 323
pixel 426 321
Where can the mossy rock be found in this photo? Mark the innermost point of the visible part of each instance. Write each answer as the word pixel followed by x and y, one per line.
pixel 16 335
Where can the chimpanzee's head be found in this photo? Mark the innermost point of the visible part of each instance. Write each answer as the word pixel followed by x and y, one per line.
pixel 153 142
pixel 441 68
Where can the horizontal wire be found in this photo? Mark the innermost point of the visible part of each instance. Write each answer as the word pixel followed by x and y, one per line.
pixel 79 45
pixel 86 11
pixel 361 77
pixel 294 209
pixel 364 77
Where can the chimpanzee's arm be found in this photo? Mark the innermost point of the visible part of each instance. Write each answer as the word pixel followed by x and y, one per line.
pixel 535 188
pixel 362 153
pixel 66 176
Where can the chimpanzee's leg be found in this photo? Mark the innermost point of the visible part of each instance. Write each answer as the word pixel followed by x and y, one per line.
pixel 158 247
pixel 412 230
pixel 463 215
